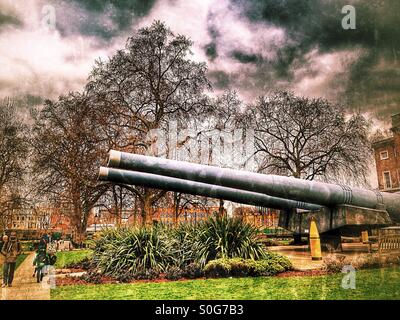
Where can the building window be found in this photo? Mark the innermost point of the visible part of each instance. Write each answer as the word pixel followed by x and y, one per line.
pixel 384 155
pixel 398 178
pixel 387 180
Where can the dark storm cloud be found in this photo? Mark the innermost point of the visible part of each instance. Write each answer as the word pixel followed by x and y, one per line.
pixel 374 78
pixel 254 46
pixel 124 11
pixel 7 19
pixel 246 58
pixel 103 19
pixel 211 50
pixel 319 21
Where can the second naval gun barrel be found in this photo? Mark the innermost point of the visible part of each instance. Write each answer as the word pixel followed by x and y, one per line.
pixel 324 194
pixel 201 189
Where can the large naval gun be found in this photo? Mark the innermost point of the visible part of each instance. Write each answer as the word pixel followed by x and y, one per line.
pixel 343 209
pixel 200 189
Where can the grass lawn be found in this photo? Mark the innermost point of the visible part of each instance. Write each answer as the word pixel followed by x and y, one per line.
pixel 20 259
pixel 370 284
pixel 64 258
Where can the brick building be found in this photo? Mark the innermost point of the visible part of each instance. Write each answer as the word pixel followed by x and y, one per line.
pixel 259 217
pixel 103 217
pixel 387 158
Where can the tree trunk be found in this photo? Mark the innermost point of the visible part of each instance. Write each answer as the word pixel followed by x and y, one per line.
pixel 221 208
pixel 135 211
pixel 76 222
pixel 121 207
pixel 147 210
pixel 177 199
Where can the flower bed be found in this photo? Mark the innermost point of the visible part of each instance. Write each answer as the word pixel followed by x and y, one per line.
pixel 221 247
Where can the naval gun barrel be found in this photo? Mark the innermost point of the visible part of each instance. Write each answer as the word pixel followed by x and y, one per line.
pixel 324 194
pixel 201 189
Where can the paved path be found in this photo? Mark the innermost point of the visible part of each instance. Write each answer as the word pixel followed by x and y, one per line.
pixel 301 257
pixel 25 286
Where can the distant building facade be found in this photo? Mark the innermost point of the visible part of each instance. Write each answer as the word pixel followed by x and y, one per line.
pixel 28 221
pixel 387 158
pixel 258 216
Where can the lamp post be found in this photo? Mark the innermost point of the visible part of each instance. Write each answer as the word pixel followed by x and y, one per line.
pixel 95 220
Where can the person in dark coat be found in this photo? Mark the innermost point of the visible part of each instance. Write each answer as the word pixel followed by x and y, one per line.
pixel 11 250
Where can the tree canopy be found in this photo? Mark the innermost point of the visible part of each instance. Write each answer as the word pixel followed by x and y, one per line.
pixel 309 138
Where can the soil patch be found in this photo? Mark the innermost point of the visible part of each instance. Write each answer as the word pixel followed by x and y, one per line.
pixel 71 280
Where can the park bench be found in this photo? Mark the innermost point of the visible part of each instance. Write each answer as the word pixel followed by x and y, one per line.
pixel 369 241
pixel 389 243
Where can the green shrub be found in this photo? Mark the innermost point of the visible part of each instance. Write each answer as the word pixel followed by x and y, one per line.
pixel 174 273
pixel 229 238
pixel 240 267
pixel 149 274
pixel 237 267
pixel 193 271
pixel 184 240
pixel 280 259
pixel 217 268
pixel 266 268
pixel 132 250
pixel 92 277
pixel 124 277
pixel 334 263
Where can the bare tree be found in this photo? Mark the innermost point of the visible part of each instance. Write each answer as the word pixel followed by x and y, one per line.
pixel 14 150
pixel 68 148
pixel 115 200
pixel 182 201
pixel 226 110
pixel 309 138
pixel 380 134
pixel 149 82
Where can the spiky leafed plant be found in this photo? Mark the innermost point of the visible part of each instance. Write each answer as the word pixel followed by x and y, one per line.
pixel 133 250
pixel 185 240
pixel 225 237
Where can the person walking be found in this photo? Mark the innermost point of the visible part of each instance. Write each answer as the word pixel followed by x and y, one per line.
pixel 40 262
pixel 4 239
pixel 11 250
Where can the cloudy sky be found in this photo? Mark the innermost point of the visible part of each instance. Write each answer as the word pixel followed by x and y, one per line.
pixel 47 47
